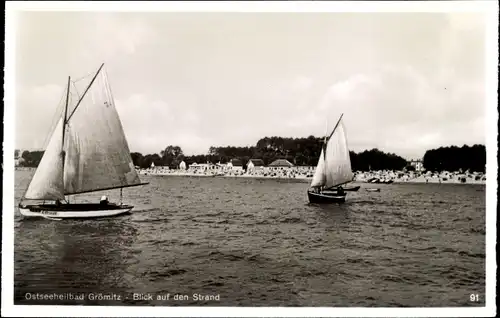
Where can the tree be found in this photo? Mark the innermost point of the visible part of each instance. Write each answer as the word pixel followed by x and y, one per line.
pixel 454 158
pixel 31 158
pixel 137 158
pixel 170 156
pixel 172 151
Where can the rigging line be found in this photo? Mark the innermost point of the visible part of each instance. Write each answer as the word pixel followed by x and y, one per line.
pixel 83 77
pixel 88 87
pixel 76 90
pixel 78 80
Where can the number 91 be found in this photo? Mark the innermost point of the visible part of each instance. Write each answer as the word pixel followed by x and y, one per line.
pixel 474 297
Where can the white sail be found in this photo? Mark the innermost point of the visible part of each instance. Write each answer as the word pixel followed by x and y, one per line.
pixel 319 177
pixel 47 182
pixel 97 152
pixel 337 160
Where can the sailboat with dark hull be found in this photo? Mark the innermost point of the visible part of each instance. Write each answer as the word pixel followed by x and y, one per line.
pixel 333 169
pixel 87 152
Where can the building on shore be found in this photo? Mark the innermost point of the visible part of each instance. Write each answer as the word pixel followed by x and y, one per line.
pixel 417 164
pixel 202 166
pixel 255 164
pixel 222 166
pixel 281 163
pixel 235 164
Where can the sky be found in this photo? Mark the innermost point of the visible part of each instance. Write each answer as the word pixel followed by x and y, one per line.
pixel 405 82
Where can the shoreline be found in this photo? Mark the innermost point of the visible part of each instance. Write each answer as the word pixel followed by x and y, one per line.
pixel 360 178
pixel 417 180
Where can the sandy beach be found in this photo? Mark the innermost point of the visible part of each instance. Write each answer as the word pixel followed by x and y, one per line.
pixel 305 174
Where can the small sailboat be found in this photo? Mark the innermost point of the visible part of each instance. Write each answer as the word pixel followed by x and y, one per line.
pixel 333 169
pixel 87 152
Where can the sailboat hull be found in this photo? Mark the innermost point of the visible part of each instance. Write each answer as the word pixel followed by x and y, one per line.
pixel 74 211
pixel 325 197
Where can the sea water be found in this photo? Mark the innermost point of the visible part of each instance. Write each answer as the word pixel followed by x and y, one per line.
pixel 250 242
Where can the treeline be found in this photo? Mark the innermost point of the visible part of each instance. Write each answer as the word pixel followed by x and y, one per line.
pixel 29 158
pixel 454 159
pixel 171 157
pixel 304 152
pixel 377 160
pixel 299 151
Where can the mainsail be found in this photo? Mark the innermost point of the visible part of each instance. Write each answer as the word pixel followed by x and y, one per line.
pixel 95 150
pixel 334 165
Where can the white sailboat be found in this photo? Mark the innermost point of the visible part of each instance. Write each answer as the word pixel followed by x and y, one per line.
pixel 333 169
pixel 87 152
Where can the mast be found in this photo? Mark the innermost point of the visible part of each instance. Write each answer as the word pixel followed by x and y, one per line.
pixel 84 93
pixel 64 118
pixel 325 140
pixel 63 153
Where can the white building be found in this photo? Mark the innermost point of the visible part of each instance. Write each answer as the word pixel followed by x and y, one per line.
pixel 417 164
pixel 255 164
pixel 203 166
pixel 235 164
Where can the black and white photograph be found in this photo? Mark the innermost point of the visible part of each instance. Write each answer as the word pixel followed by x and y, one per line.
pixel 314 158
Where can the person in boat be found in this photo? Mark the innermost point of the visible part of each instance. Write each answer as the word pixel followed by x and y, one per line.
pixel 58 203
pixel 104 200
pixel 340 191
